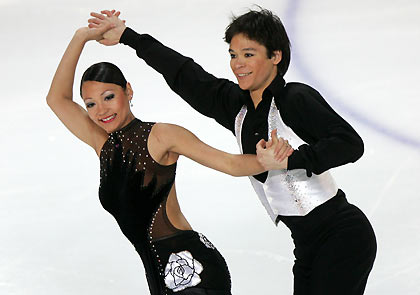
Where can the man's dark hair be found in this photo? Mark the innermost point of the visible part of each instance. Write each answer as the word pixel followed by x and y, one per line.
pixel 267 29
pixel 104 72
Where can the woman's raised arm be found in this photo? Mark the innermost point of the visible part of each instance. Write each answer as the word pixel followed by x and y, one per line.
pixel 60 95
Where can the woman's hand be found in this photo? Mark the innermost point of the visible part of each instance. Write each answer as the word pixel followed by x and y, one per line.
pixel 107 17
pixel 273 155
pixel 87 34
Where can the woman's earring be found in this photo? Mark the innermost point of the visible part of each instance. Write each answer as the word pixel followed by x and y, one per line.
pixel 131 101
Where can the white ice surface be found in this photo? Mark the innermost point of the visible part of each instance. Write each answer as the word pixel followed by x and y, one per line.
pixel 55 238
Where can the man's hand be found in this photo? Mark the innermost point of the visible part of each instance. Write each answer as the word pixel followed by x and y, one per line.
pixel 106 18
pixel 273 155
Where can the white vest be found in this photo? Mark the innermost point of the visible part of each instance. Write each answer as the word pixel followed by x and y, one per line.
pixel 288 192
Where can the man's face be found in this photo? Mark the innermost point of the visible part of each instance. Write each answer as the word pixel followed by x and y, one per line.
pixel 251 65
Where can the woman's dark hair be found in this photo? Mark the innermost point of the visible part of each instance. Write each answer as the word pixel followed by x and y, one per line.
pixel 104 72
pixel 267 29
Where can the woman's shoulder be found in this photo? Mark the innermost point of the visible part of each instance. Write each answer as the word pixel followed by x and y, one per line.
pixel 162 130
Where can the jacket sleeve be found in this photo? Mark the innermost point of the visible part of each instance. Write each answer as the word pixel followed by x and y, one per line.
pixel 216 98
pixel 330 140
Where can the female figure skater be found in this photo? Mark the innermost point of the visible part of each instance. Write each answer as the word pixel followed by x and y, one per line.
pixel 137 169
pixel 335 245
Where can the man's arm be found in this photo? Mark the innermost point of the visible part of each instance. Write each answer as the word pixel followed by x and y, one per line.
pixel 331 141
pixel 216 98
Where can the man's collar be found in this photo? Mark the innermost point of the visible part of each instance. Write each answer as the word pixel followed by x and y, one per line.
pixel 275 88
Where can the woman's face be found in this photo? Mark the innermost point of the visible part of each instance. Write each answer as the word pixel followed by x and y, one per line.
pixel 251 65
pixel 107 104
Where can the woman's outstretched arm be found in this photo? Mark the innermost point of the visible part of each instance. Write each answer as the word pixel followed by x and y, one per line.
pixel 173 140
pixel 60 95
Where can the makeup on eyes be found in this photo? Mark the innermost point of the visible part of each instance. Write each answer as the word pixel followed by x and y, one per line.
pixel 89 104
pixel 109 96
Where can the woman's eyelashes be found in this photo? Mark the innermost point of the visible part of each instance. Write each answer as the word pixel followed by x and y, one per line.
pixel 89 105
pixel 110 96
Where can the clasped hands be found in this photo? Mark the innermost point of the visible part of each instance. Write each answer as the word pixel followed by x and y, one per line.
pixel 108 25
pixel 273 154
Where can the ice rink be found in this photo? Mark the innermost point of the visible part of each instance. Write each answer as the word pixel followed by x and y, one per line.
pixel 55 238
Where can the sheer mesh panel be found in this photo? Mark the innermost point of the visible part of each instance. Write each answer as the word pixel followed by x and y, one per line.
pixel 161 226
pixel 134 187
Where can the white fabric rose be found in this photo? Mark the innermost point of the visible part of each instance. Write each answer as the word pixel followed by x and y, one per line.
pixel 182 271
